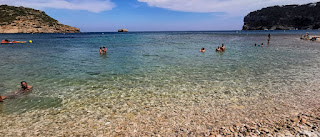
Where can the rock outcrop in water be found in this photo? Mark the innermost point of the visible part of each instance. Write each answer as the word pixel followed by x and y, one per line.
pixel 289 17
pixel 27 20
pixel 122 30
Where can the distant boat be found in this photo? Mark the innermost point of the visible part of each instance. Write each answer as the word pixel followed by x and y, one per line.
pixel 11 42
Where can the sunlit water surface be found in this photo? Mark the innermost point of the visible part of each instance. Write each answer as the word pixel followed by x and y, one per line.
pixel 65 68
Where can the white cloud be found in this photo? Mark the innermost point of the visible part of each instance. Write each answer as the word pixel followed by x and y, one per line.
pixel 89 5
pixel 232 7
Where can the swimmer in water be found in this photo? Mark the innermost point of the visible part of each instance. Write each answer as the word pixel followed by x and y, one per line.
pixel 2 98
pixel 101 51
pixel 261 44
pixel 25 88
pixel 202 50
pixel 218 49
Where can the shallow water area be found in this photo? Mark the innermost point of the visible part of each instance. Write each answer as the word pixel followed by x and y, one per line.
pixel 20 105
pixel 157 82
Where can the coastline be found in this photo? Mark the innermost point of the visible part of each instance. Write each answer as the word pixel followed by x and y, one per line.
pixel 260 81
pixel 245 32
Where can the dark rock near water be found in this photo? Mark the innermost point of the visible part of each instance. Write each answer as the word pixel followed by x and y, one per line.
pixel 289 17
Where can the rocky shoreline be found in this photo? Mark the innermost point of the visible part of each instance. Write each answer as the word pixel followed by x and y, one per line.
pixel 302 125
pixel 305 124
pixel 147 114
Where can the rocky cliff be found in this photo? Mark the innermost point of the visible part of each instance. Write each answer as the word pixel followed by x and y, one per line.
pixel 289 17
pixel 27 20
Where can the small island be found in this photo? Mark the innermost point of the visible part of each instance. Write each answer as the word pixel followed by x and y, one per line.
pixel 289 17
pixel 122 30
pixel 26 20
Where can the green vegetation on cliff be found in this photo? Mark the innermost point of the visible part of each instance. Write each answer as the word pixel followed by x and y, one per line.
pixel 9 14
pixel 26 20
pixel 287 17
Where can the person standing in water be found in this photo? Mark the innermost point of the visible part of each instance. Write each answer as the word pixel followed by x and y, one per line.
pixel 269 38
pixel 218 49
pixel 101 51
pixel 223 48
pixel 104 50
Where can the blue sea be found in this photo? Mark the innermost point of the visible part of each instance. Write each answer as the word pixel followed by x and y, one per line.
pixel 145 70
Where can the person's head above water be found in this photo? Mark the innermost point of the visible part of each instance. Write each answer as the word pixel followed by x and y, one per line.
pixel 104 47
pixel 100 47
pixel 24 85
pixel 202 48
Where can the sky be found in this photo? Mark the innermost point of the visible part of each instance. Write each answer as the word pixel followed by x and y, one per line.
pixel 151 15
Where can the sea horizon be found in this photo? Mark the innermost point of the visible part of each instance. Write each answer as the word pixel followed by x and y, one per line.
pixel 261 31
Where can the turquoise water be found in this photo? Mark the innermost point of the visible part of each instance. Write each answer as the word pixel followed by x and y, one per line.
pixel 64 68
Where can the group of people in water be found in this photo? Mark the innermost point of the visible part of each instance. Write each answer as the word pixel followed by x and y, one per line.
pixel 24 89
pixel 223 48
pixel 219 49
pixel 262 45
pixel 258 45
pixel 103 50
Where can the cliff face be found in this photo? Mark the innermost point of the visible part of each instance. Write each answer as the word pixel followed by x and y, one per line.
pixel 289 17
pixel 27 20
